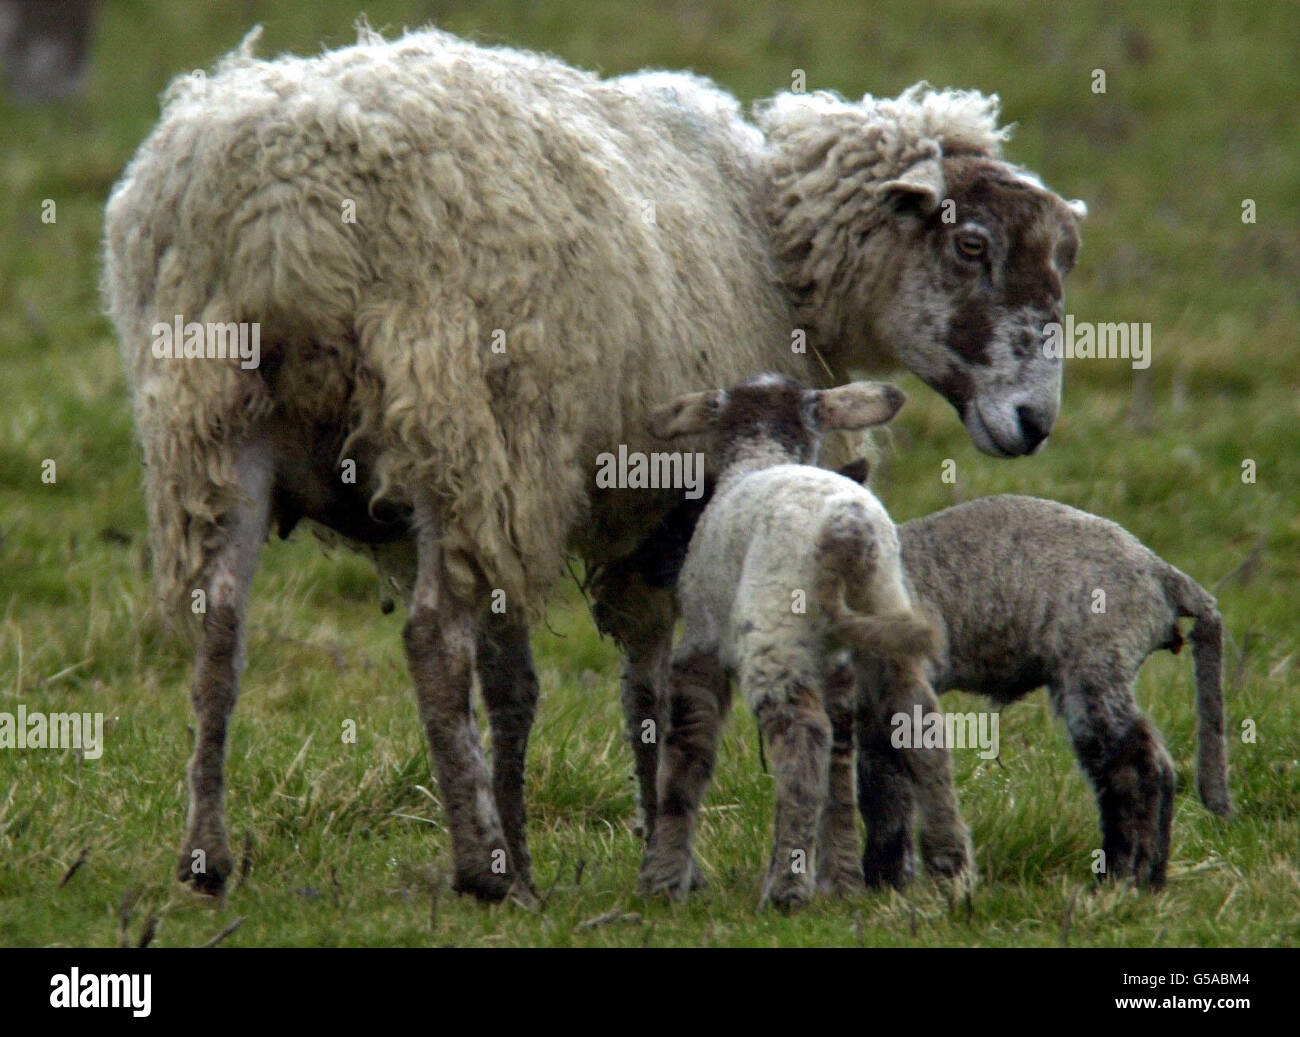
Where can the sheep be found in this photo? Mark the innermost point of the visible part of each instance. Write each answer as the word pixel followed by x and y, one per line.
pixel 788 564
pixel 470 270
pixel 1025 593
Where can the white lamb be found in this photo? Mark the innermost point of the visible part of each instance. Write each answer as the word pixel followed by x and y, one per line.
pixel 788 564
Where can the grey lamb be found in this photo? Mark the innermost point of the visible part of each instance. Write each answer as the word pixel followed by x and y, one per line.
pixel 1025 593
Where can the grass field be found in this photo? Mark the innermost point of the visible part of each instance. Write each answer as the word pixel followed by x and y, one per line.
pixel 346 842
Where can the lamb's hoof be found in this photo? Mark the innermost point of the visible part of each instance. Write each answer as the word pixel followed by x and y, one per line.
pixel 207 870
pixel 947 855
pixel 487 886
pixel 893 866
pixel 524 896
pixel 787 892
pixel 698 881
pixel 842 882
pixel 673 879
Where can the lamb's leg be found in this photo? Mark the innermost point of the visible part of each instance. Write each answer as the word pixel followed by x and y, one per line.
pixel 645 666
pixel 440 634
pixel 205 858
pixel 1123 756
pixel 885 795
pixel 504 661
pixel 640 620
pixel 798 733
pixel 945 841
pixel 839 871
pixel 698 696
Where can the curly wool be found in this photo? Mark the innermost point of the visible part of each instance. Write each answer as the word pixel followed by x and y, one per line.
pixel 830 159
pixel 626 239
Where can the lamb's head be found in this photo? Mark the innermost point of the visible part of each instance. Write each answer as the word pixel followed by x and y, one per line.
pixel 905 239
pixel 772 419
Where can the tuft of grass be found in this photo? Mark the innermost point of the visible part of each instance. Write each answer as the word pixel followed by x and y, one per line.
pixel 345 841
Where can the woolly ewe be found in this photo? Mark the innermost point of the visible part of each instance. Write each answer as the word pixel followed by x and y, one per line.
pixel 473 269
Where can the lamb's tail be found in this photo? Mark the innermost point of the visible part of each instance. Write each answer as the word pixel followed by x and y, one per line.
pixel 1189 598
pixel 846 554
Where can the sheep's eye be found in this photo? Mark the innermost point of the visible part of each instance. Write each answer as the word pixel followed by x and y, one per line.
pixel 970 246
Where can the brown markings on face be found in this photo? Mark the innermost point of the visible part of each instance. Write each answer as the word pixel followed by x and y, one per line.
pixel 957 387
pixel 970 332
pixel 1034 243
pixel 770 407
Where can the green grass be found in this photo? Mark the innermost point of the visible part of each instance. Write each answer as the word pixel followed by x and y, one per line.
pixel 347 841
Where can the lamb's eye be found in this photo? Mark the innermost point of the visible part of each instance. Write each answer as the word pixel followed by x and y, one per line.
pixel 970 246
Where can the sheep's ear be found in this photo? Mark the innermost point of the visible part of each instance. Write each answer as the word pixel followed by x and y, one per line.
pixel 685 416
pixel 859 471
pixel 923 184
pixel 1079 207
pixel 858 405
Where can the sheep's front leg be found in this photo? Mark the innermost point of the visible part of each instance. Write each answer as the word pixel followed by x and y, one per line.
pixel 205 858
pixel 440 635
pixel 508 681
pixel 1124 758
pixel 698 696
pixel 839 872
pixel 798 734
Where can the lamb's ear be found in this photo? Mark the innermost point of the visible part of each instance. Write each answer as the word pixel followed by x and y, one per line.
pixel 1079 207
pixel 859 471
pixel 685 416
pixel 923 184
pixel 858 405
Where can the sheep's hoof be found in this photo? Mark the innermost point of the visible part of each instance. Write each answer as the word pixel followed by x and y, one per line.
pixel 206 870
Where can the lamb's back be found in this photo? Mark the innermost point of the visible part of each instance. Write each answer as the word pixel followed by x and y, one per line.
pixel 1028 589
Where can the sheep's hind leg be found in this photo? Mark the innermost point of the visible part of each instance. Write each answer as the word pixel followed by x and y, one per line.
pixel 439 636
pixel 205 858
pixel 698 696
pixel 1131 772
pixel 839 872
pixel 509 684
pixel 798 732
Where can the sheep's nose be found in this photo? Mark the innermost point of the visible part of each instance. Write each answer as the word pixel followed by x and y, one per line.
pixel 1033 427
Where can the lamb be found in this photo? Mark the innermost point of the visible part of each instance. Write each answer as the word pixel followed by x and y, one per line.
pixel 789 563
pixel 1028 592
pixel 471 269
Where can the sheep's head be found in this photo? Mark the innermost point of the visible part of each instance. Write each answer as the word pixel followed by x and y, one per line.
pixel 906 240
pixel 773 419
pixel 981 252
